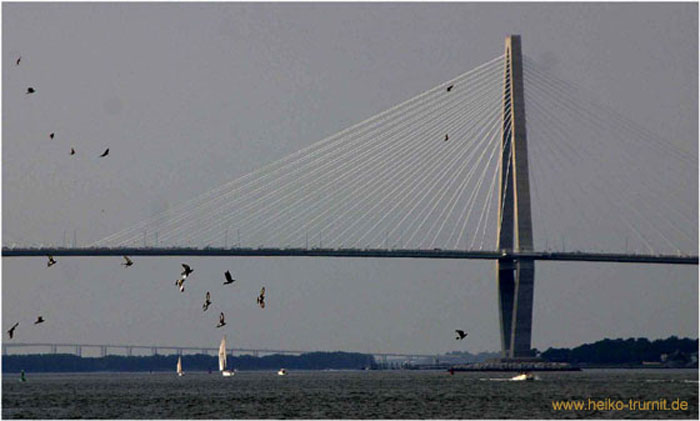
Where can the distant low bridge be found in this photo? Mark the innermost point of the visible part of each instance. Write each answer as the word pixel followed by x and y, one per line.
pixel 109 349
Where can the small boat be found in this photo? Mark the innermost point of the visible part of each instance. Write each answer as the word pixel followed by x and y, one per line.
pixel 179 367
pixel 222 359
pixel 527 377
pixel 282 372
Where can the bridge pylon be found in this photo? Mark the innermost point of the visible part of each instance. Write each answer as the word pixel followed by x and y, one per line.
pixel 516 276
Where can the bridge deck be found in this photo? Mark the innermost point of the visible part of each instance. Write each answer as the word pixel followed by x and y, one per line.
pixel 377 253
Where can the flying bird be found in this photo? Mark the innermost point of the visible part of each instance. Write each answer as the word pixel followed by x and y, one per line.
pixel 447 138
pixel 229 279
pixel 221 320
pixel 18 60
pixel 72 151
pixel 51 261
pixel 461 334
pixel 11 332
pixel 128 262
pixel 449 88
pixel 207 302
pixel 181 283
pixel 261 298
pixel 105 153
pixel 30 90
pixel 39 320
pixel 51 135
pixel 187 270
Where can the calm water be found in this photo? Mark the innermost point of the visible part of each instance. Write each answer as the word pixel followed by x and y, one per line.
pixel 340 394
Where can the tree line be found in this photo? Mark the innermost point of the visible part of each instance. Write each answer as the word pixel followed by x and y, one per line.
pixel 632 351
pixel 198 362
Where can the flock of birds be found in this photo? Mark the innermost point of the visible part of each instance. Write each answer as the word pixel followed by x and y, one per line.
pixel 31 90
pixel 187 270
pixel 180 282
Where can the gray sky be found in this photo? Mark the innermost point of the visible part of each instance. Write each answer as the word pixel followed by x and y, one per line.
pixel 190 96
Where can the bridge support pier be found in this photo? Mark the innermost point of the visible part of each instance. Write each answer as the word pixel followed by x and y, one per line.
pixel 516 276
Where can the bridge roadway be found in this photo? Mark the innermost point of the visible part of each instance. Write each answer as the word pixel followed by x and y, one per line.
pixel 104 348
pixel 339 252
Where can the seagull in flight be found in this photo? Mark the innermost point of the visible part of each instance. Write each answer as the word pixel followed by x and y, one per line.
pixel 30 90
pixel 51 261
pixel 461 334
pixel 11 332
pixel 105 153
pixel 39 320
pixel 207 302
pixel 72 151
pixel 128 262
pixel 187 270
pixel 229 279
pixel 181 283
pixel 51 135
pixel 18 60
pixel 261 298
pixel 221 320
pixel 449 88
pixel 447 137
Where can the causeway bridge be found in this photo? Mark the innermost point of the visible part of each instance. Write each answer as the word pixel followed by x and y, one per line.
pixel 111 349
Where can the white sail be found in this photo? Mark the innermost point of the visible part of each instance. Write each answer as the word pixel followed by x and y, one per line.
pixel 222 359
pixel 222 354
pixel 179 366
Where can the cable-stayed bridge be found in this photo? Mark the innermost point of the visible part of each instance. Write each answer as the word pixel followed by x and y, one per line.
pixel 484 166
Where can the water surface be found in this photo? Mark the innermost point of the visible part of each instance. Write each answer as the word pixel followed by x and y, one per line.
pixel 340 394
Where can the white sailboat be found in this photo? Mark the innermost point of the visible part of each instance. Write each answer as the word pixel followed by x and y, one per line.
pixel 179 367
pixel 222 359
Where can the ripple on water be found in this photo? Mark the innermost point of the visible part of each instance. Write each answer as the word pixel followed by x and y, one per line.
pixel 347 394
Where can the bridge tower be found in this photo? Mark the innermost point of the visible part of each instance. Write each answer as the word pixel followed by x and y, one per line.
pixel 516 277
